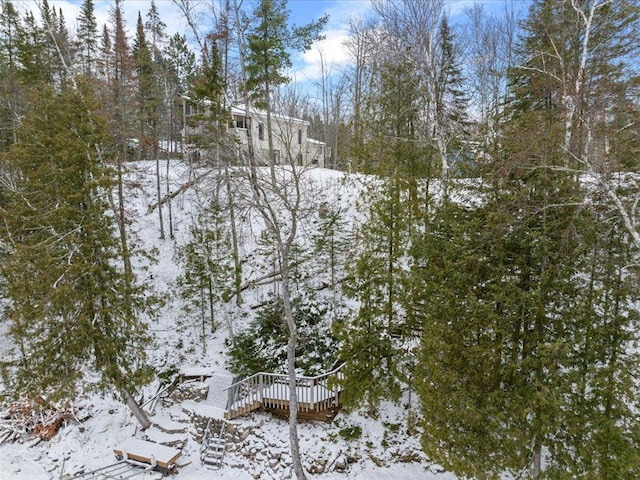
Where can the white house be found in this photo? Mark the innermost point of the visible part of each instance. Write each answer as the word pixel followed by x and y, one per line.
pixel 291 143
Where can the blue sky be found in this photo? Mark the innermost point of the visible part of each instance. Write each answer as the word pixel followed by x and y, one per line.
pixel 302 12
pixel 306 66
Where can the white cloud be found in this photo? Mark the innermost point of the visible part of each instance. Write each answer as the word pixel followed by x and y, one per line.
pixel 331 51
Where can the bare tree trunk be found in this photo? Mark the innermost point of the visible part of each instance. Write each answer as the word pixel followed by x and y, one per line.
pixel 168 190
pixel 122 221
pixel 237 265
pixel 291 369
pixel 158 187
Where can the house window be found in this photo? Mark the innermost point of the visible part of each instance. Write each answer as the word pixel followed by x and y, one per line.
pixel 299 136
pixel 276 157
pixel 261 131
pixel 190 109
pixel 299 158
pixel 238 122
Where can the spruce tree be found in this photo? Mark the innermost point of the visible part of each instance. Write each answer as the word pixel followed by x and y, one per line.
pixel 87 35
pixel 75 318
pixel 147 92
pixel 10 33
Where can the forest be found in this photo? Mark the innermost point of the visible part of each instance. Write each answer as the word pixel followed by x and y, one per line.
pixel 492 273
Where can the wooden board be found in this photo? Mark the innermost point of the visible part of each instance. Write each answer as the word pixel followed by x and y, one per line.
pixel 144 452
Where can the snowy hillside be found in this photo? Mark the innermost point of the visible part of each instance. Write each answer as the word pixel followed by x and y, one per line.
pixel 352 447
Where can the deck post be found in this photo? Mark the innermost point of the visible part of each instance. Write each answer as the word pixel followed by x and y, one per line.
pixel 313 404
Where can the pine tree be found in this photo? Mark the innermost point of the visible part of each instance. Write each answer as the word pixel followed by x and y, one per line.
pixel 268 42
pixel 74 316
pixel 146 98
pixel 181 61
pixel 180 66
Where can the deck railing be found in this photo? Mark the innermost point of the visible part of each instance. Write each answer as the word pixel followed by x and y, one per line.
pixel 271 390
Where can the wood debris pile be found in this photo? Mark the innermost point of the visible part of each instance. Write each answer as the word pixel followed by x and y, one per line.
pixel 34 419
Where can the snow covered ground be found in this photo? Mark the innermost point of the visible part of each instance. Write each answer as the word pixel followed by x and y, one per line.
pixel 383 450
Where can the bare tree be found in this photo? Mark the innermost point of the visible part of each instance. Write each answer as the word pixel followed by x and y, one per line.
pixel 490 44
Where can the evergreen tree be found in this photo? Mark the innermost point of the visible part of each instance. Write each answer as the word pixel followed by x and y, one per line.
pixel 207 87
pixel 331 244
pixel 31 53
pixel 268 42
pixel 495 288
pixel 105 59
pixel 75 318
pixel 262 347
pixel 524 294
pixel 159 97
pixel 599 437
pixel 451 100
pixel 207 266
pixel 180 68
pixel 374 341
pixel 120 100
pixel 10 92
pixel 181 61
pixel 55 50
pixel 87 35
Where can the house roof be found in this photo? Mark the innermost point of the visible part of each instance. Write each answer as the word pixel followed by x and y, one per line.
pixel 241 109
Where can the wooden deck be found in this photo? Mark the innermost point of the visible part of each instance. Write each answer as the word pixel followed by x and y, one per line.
pixel 318 397
pixel 150 453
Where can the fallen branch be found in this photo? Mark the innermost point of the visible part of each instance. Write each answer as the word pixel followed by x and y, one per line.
pixel 172 195
pixel 34 418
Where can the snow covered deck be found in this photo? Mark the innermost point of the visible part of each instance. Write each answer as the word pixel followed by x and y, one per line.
pixel 320 394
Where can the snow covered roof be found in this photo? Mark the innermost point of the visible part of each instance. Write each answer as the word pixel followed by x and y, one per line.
pixel 241 109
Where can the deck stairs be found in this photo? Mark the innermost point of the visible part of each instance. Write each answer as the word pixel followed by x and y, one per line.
pixel 318 397
pixel 214 443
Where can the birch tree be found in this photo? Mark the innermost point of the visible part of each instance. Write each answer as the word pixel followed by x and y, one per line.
pixel 417 29
pixel 581 52
pixel 276 193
